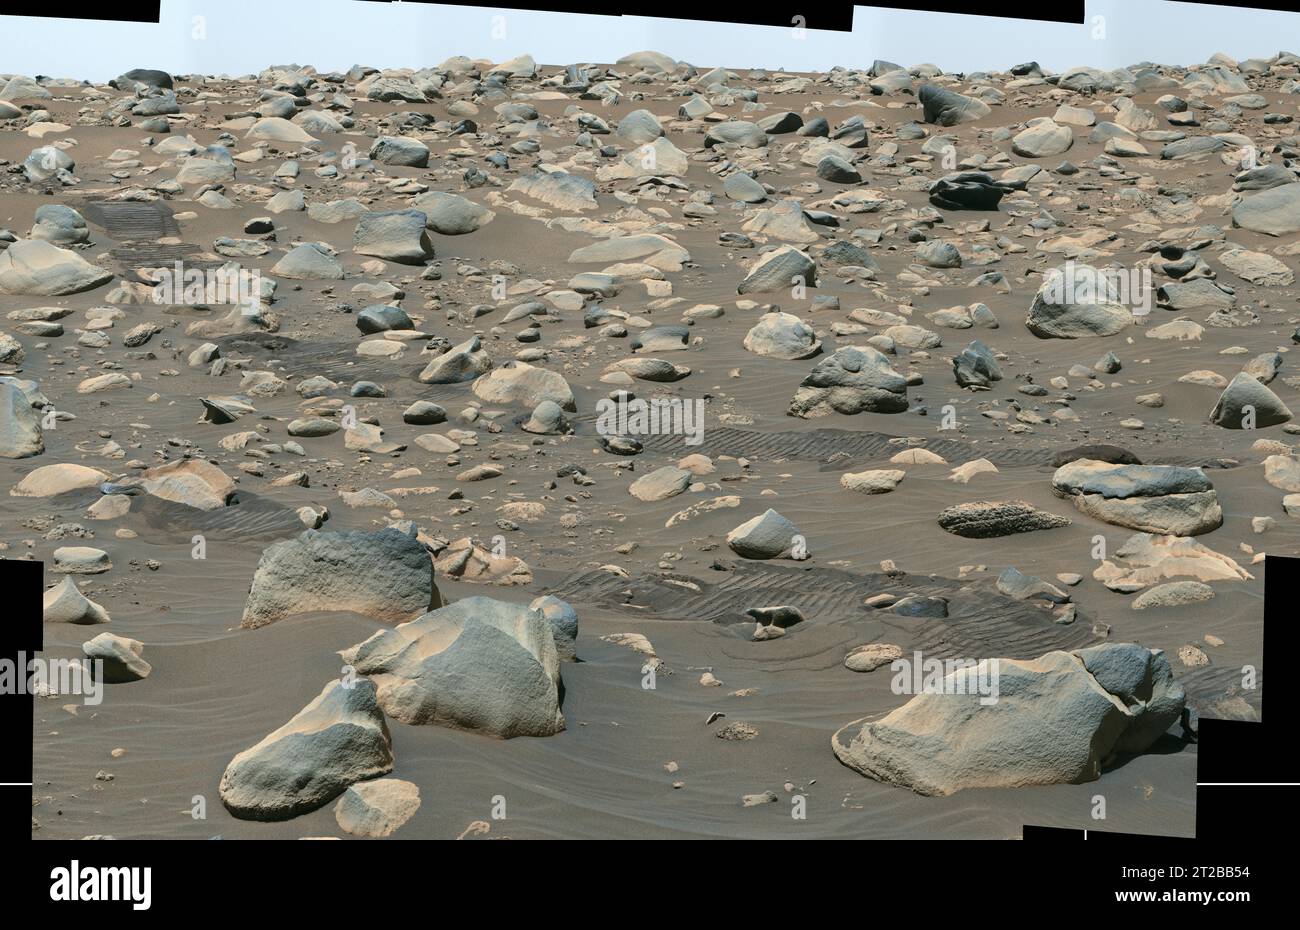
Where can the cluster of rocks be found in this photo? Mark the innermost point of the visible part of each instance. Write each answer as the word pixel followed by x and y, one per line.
pixel 448 275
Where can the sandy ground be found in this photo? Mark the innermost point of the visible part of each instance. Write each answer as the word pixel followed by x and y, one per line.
pixel 216 689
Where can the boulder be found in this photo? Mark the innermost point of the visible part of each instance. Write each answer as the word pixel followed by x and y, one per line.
pixel 278 129
pixel 463 362
pixel 875 481
pixel 308 261
pixel 740 133
pixel 640 127
pixel 1057 719
pixel 779 270
pixel 520 383
pixel 1165 499
pixel 949 108
pixel 850 380
pixel 451 214
pixel 64 603
pixel 558 189
pixel 60 225
pixel 1174 594
pixel 1042 137
pixel 1145 559
pixel 192 482
pixel 400 151
pixel 466 560
pixel 81 560
pixel 479 664
pixel 1074 305
pixel 563 620
pixel 116 659
pixel 397 236
pixel 767 536
pixel 967 190
pixel 60 478
pixel 337 740
pixel 782 335
pixel 1274 212
pixel 386 575
pixel 1246 403
pixel 36 268
pixel 48 162
pixel 661 484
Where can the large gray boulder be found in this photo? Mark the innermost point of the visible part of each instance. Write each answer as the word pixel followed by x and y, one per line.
pixel 36 268
pixel 1076 305
pixel 1042 137
pixel 386 575
pixel 782 335
pixel 451 214
pixel 640 127
pixel 767 536
pixel 1166 499
pixel 520 383
pixel 778 270
pixel 397 236
pixel 149 78
pixel 337 740
pixel 736 132
pixel 48 161
pixel 948 108
pixel 851 380
pixel 1246 403
pixel 1192 147
pixel 479 664
pixel 1275 212
pixel 400 151
pixel 1058 719
pixel 60 225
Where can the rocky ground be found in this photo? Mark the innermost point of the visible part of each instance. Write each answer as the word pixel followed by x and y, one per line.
pixel 290 360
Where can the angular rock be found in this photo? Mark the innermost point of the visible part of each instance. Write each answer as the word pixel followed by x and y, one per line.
pixel 479 664
pixel 337 740
pixel 386 575
pixel 1058 719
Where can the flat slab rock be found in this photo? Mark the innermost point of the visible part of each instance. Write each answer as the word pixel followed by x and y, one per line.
pixel 990 519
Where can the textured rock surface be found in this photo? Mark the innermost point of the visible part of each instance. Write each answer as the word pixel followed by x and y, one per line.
pixel 386 575
pixel 479 664
pixel 1057 719
pixel 337 740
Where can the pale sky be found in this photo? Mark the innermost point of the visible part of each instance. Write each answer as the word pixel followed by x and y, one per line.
pixel 244 36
